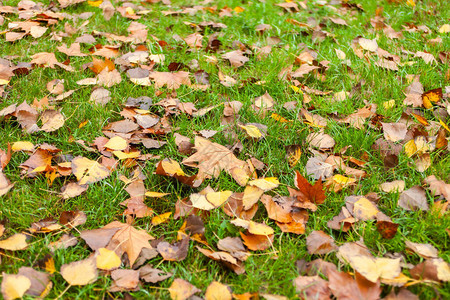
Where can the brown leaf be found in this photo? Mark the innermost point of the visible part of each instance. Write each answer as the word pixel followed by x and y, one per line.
pixel 312 287
pixel 321 140
pixel 124 280
pixel 5 184
pixel 40 281
pixel 344 287
pixel 394 131
pixel 236 58
pixel 257 242
pixel 52 120
pixel 14 286
pixel 424 250
pixel 309 193
pixel 175 252
pixel 225 258
pixel 148 274
pixel 318 242
pixel 413 199
pixel 171 80
pixel 73 50
pixel 98 238
pixel 212 158
pixel 129 240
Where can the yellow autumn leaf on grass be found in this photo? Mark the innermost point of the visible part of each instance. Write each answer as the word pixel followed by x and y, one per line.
pixel 444 28
pixel 251 196
pixel 156 220
pixel 410 148
pixel 259 229
pixel 431 96
pixel 218 198
pixel 252 131
pixel 80 272
pixel 444 125
pixel 88 171
pixel 116 143
pixel 364 209
pixel 95 3
pixel 14 286
pixel 123 155
pixel 172 167
pixel 107 259
pixel 22 146
pixel 279 118
pixel 17 241
pixel 238 9
pixel 411 3
pixel 265 184
pixel 156 194
pixel 374 268
pixel 3 81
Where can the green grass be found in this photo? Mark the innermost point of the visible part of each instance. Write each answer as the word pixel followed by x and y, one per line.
pixel 33 199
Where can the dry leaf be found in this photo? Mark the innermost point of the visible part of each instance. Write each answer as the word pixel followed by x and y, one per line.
pixel 15 242
pixel 218 291
pixel 81 272
pixel 107 259
pixel 318 242
pixel 14 286
pixel 88 171
pixel 182 290
pixel 413 199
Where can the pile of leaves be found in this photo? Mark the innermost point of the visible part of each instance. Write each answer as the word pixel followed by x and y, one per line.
pixel 261 204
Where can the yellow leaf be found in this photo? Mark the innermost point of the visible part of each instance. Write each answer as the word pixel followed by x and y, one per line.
pixel 259 229
pixel 389 104
pixel 122 155
pixel 3 81
pixel 95 3
pixel 238 9
pixel 252 131
pixel 364 209
pixel 343 180
pixel 279 118
pixel 107 259
pixel 431 96
pixel 374 268
pixel 444 28
pixel 172 167
pixel 199 201
pixel 296 89
pixel 218 198
pixel 400 280
pixel 411 3
pixel 218 291
pixel 444 125
pixel 14 242
pixel 88 171
pixel 82 124
pixel 251 196
pixel 129 11
pixel 117 143
pixel 14 286
pixel 22 146
pixel 265 184
pixel 80 272
pixel 156 220
pixel 156 194
pixel 410 148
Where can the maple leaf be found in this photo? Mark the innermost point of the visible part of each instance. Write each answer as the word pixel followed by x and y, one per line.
pixel 129 239
pixel 236 58
pixel 171 80
pixel 212 158
pixel 307 192
pixel 88 171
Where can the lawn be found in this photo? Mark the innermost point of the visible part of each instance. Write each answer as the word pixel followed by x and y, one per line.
pixel 247 148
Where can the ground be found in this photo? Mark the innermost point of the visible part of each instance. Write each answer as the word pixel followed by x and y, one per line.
pixel 364 54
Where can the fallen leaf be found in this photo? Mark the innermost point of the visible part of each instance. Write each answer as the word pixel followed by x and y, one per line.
pixel 81 272
pixel 40 281
pixel 88 171
pixel 413 199
pixel 129 239
pixel 424 250
pixel 218 291
pixel 181 289
pixel 107 259
pixel 14 286
pixel 318 242
pixel 15 242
